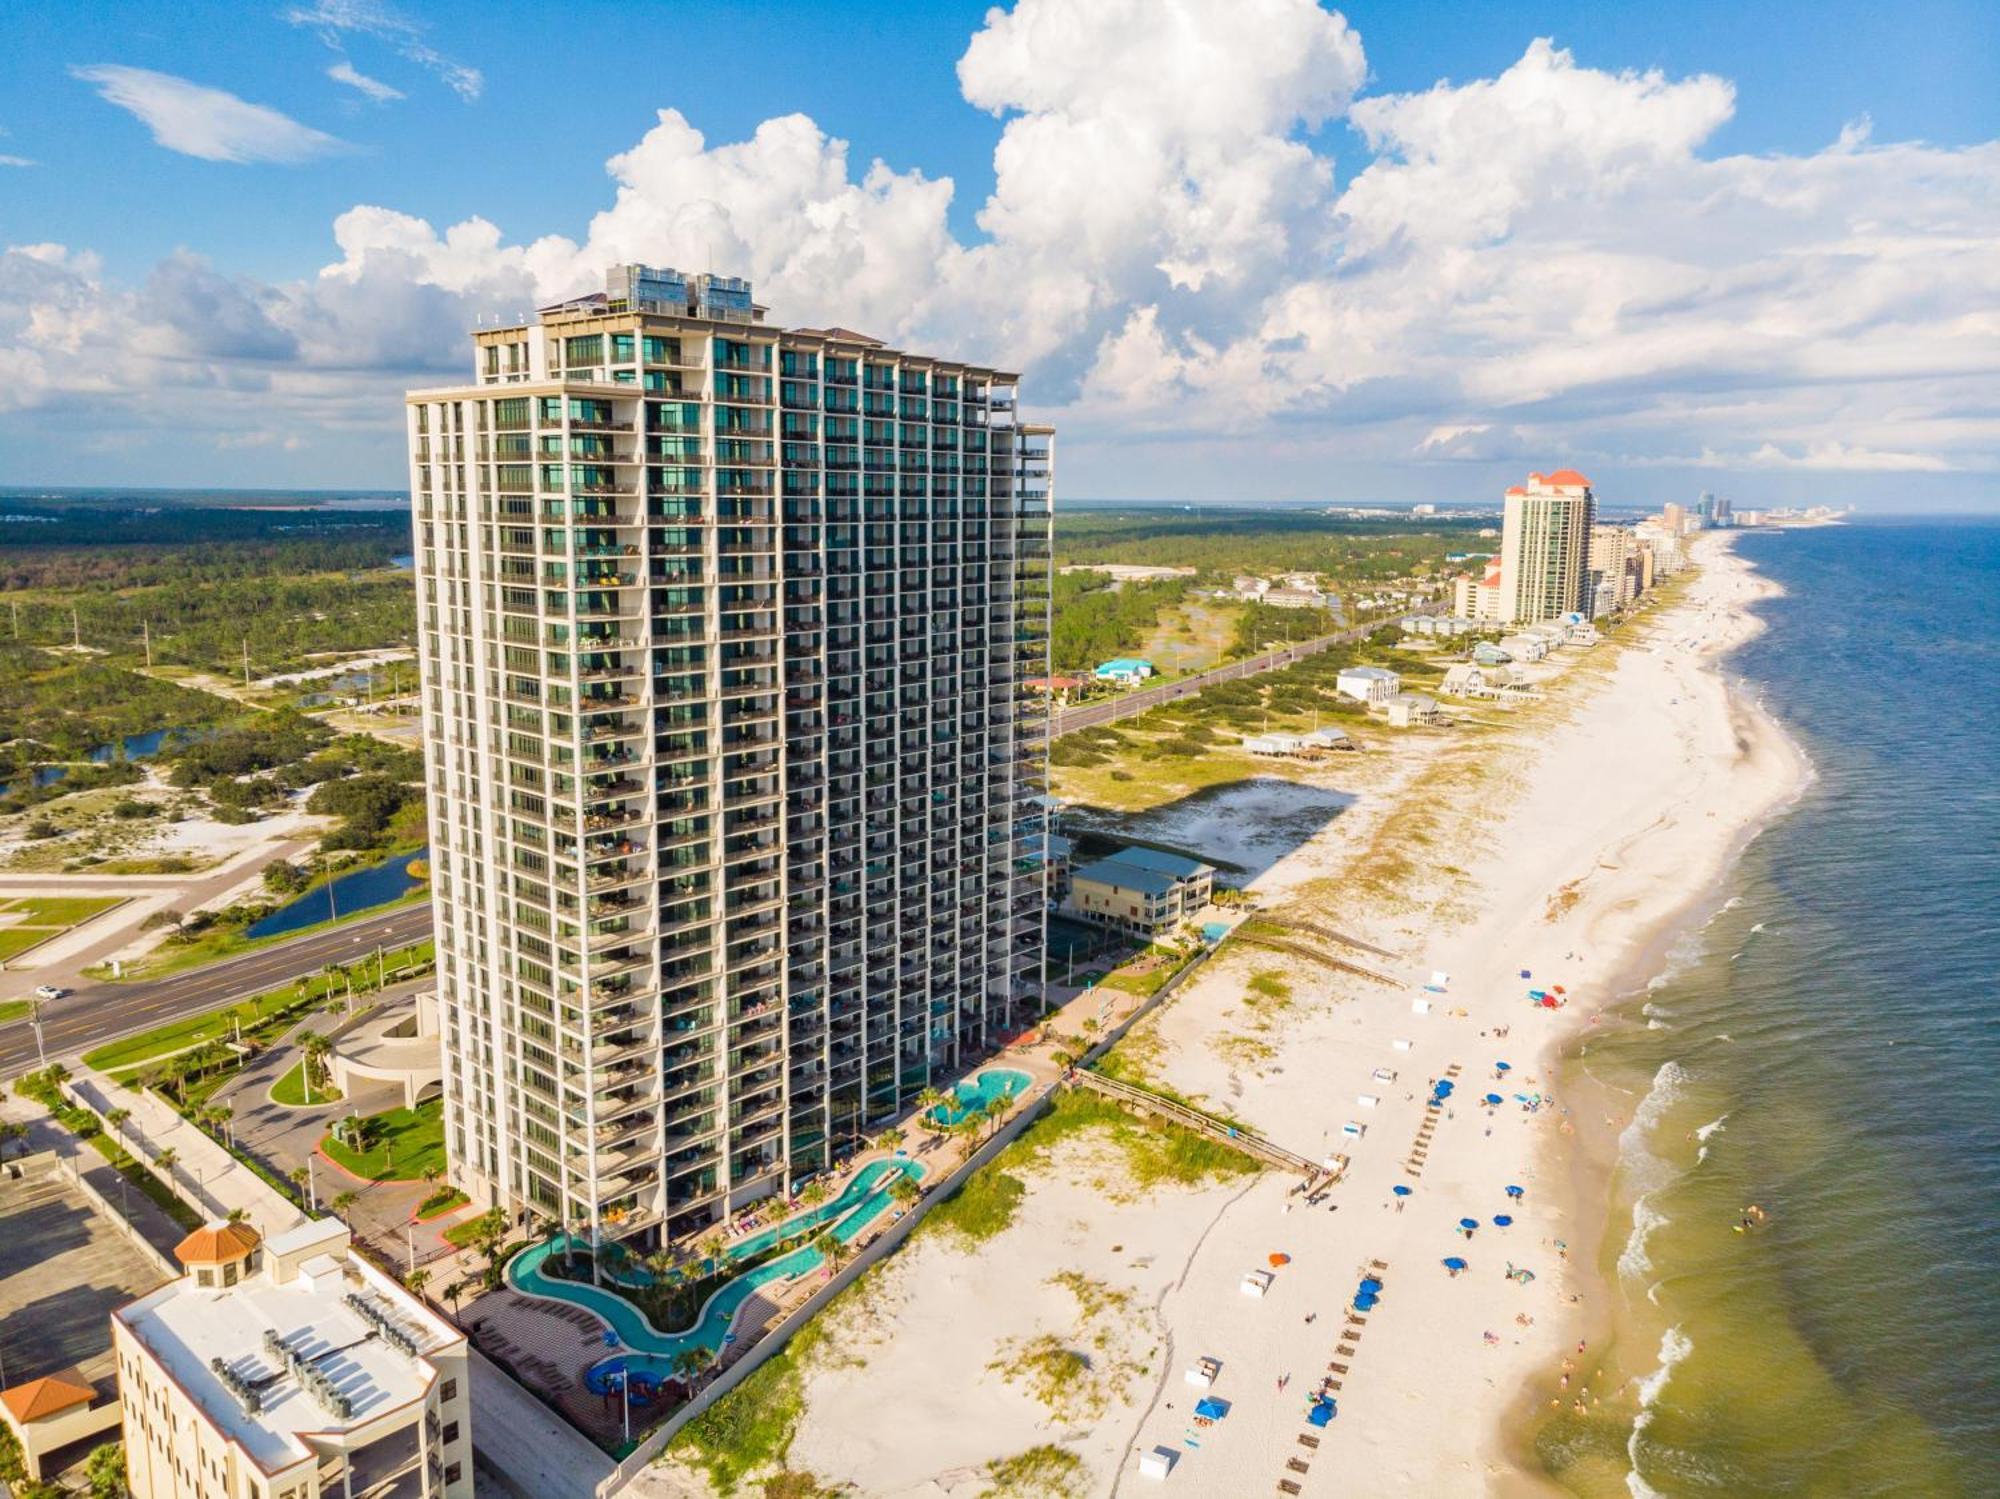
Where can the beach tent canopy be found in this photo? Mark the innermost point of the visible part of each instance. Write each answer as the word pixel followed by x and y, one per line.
pixel 1454 1263
pixel 1370 1286
pixel 1400 1190
pixel 1468 1223
pixel 1501 1220
pixel 1212 1408
pixel 1493 1098
pixel 1365 1302
pixel 1320 1414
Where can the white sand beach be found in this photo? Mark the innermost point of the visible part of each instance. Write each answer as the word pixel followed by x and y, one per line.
pixel 1567 841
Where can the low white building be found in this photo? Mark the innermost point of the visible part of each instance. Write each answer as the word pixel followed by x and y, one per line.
pixel 1368 684
pixel 290 1369
pixel 1299 746
pixel 1467 680
pixel 1525 647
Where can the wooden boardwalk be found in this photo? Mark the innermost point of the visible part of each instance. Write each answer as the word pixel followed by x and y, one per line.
pixel 1165 1108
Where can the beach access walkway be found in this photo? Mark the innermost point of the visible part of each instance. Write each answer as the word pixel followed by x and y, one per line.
pixel 1261 932
pixel 1179 1113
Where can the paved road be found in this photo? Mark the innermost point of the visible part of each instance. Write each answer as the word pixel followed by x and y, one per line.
pixel 100 1012
pixel 1126 705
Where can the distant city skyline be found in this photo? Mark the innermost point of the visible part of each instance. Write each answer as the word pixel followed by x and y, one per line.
pixel 1272 253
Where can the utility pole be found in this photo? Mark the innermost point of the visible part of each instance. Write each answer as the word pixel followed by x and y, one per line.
pixel 35 1019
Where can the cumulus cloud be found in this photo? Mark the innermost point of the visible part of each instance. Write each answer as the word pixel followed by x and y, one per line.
pixel 1545 261
pixel 15 161
pixel 209 123
pixel 337 20
pixel 373 88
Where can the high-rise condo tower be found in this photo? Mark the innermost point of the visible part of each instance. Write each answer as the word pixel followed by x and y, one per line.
pixel 736 791
pixel 1545 547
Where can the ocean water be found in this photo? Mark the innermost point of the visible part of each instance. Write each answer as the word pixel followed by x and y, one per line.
pixel 1826 1047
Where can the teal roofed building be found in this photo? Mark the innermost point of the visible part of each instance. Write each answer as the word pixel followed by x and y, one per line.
pixel 1126 671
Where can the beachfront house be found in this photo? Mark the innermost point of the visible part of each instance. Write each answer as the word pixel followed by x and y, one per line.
pixel 1409 709
pixel 1299 746
pixel 1125 671
pixel 1523 647
pixel 1486 653
pixel 1368 684
pixel 1144 892
pixel 1468 680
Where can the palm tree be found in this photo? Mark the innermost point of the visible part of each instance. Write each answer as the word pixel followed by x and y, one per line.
pixel 166 1160
pixel 237 1215
pixel 905 1189
pixel 455 1291
pixel 416 1280
pixel 116 1118
pixel 933 1104
pixel 300 1175
pixel 994 1112
pixel 691 1363
pixel 833 1251
pixel 889 1141
pixel 313 1048
pixel 342 1201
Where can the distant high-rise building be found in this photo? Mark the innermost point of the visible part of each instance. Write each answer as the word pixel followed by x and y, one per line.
pixel 1614 568
pixel 736 783
pixel 1719 513
pixel 1675 519
pixel 1545 547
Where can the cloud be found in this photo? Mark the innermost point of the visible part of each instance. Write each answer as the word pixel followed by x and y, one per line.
pixel 209 123
pixel 15 161
pixel 336 20
pixel 377 91
pixel 1547 261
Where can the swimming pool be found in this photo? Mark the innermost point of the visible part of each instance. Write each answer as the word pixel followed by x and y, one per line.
pixel 652 1352
pixel 973 1094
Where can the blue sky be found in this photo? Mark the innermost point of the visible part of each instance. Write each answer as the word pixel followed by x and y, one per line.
pixel 509 114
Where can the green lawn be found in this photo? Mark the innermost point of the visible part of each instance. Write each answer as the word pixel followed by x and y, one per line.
pixel 57 910
pixel 290 1090
pixel 408 1142
pixel 13 1009
pixel 15 940
pixel 192 1030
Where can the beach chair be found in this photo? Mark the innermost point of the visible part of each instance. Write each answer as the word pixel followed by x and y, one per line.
pixel 1286 1486
pixel 1378 1264
pixel 1298 1465
pixel 1308 1440
pixel 1345 1350
pixel 1337 1369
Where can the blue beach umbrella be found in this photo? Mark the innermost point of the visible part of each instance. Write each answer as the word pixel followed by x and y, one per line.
pixel 1365 1303
pixel 1400 1190
pixel 1454 1263
pixel 1370 1286
pixel 1501 1220
pixel 1503 1066
pixel 1516 1193
pixel 1468 1223
pixel 1526 974
pixel 1493 1098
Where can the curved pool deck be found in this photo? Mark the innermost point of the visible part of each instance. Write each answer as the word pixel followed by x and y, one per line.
pixel 973 1094
pixel 651 1353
